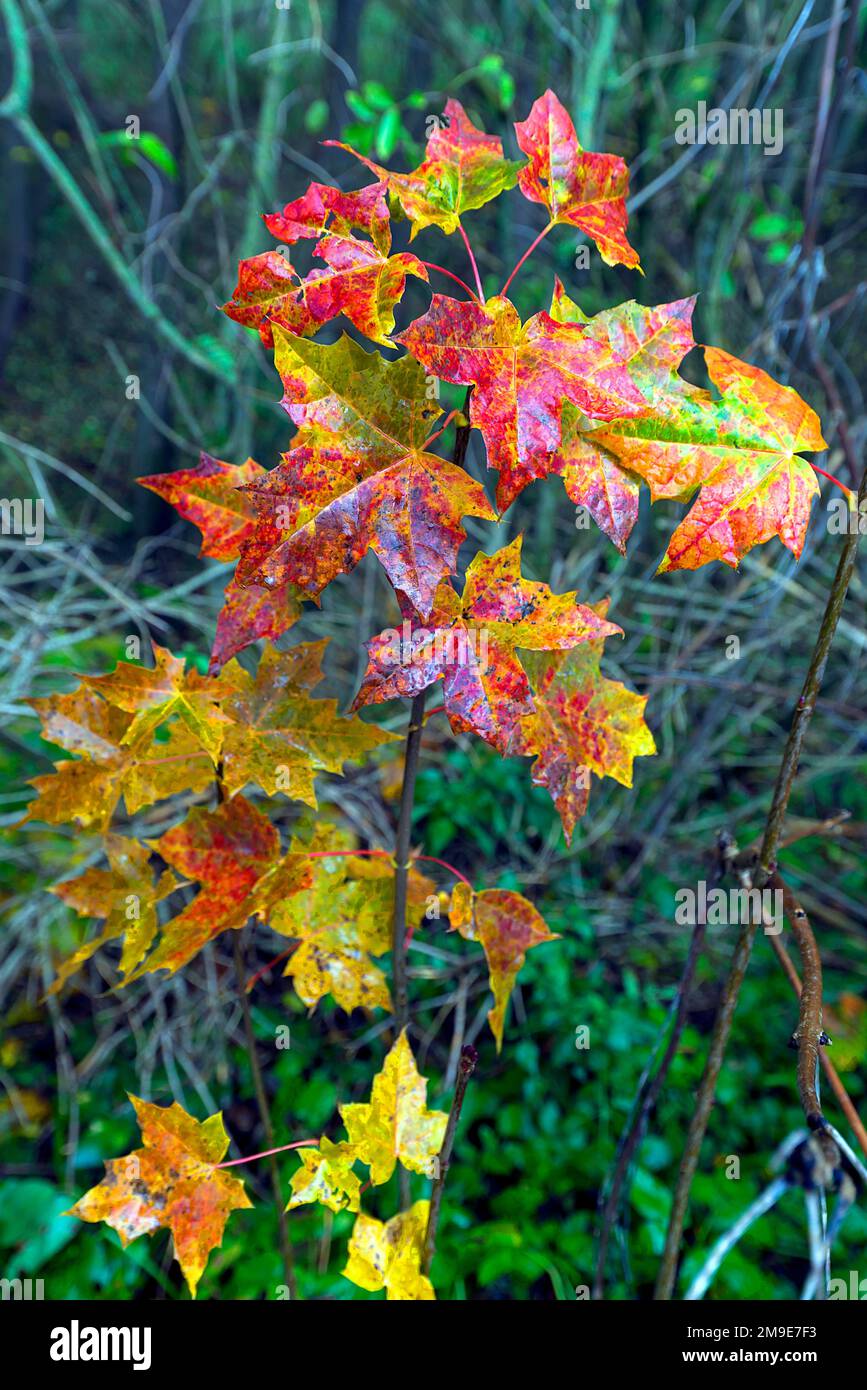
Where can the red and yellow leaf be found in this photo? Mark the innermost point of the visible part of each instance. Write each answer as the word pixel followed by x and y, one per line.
pixel 125 895
pixel 507 927
pixel 325 209
pixel 741 450
pixel 251 612
pixel 171 1182
pixel 651 344
pixel 358 477
pixel 209 496
pixel 584 190
pixel 520 377
pixel 582 723
pixel 234 853
pixel 358 281
pixel 212 496
pixel 471 643
pixel 462 169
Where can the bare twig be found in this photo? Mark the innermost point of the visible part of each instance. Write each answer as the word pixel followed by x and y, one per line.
pixel 402 860
pixel 834 1079
pixel 469 1057
pixel 651 1087
pixel 265 1118
pixel 764 868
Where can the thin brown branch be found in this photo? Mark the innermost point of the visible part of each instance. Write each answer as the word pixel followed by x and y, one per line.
pixel 469 1057
pixel 265 1118
pixel 834 1079
pixel 765 866
pixel 809 1032
pixel 402 860
pixel 651 1087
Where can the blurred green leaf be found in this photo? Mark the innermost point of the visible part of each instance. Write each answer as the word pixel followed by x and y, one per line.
pixel 388 133
pixel 377 96
pixel 316 116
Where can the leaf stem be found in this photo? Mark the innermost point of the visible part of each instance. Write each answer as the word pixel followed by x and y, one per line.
pixel 442 429
pixel 831 479
pixel 809 1031
pixel 432 265
pixel 432 859
pixel 527 254
pixel 266 1153
pixel 476 274
pixel 836 1084
pixel 469 1057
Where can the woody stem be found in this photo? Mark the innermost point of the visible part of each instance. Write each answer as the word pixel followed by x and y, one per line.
pixel 764 868
pixel 401 858
pixel 265 1117
pixel 469 1057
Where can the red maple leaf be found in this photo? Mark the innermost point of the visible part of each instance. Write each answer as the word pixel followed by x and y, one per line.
pixel 521 376
pixel 470 642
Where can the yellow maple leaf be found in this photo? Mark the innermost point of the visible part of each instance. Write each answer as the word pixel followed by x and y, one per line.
pixel 281 735
pixel 326 1176
pixel 396 1124
pixel 388 1255
pixel 125 895
pixel 341 921
pixel 87 787
pixel 153 695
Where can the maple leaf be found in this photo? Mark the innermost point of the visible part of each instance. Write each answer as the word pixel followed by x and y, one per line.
pixel 742 450
pixel 358 477
pixel 326 1176
pixel 507 926
pixel 210 496
pixel 650 343
pixel 340 922
pixel 462 169
pixel 87 789
pixel 396 1124
pixel 153 695
pixel 584 190
pixel 172 1182
pixel 358 281
pixel 280 737
pixel 323 208
pixel 251 612
pixel 582 723
pixel 388 1255
pixel 125 895
pixel 520 377
pixel 234 854
pixel 470 644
